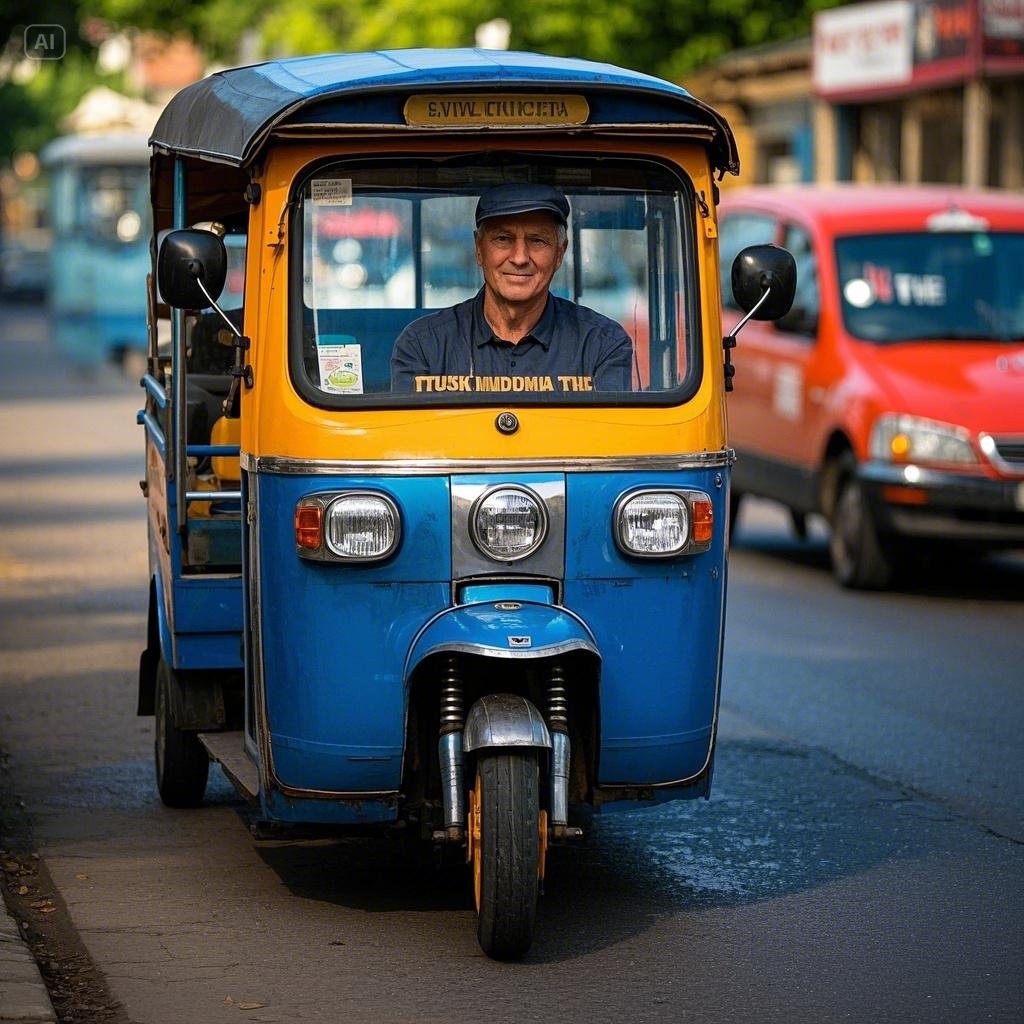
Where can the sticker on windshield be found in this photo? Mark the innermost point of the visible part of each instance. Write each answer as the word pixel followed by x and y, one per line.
pixel 331 191
pixel 879 284
pixel 341 369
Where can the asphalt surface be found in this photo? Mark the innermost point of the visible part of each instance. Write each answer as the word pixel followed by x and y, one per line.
pixel 861 858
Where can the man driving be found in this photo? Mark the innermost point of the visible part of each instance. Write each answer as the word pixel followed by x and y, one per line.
pixel 514 334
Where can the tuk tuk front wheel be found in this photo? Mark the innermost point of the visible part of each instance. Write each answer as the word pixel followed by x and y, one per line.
pixel 504 838
pixel 182 764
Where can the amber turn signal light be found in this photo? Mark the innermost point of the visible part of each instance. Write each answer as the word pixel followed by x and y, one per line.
pixel 703 521
pixel 309 526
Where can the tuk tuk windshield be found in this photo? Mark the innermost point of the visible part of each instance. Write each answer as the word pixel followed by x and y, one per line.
pixel 385 246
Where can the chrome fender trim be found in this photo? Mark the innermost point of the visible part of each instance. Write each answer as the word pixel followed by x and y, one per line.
pixel 504 720
pixel 530 630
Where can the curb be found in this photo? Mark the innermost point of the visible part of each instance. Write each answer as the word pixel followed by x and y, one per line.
pixel 23 996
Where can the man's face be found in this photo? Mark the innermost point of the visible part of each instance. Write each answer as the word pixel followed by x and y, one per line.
pixel 519 255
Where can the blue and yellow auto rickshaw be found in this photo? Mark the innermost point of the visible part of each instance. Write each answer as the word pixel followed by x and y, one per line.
pixel 460 604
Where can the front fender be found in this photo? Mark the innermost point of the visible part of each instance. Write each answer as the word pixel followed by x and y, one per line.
pixel 502 629
pixel 504 720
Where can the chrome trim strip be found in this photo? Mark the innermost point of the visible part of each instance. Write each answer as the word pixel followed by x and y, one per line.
pixel 213 496
pixel 288 466
pixel 989 444
pixel 548 651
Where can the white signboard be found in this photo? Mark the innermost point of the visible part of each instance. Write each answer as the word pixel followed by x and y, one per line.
pixel 863 46
pixel 1003 19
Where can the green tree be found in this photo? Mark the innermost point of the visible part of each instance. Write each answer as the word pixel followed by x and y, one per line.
pixel 36 94
pixel 664 37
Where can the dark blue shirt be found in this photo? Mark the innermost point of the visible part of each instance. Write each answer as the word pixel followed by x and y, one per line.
pixel 571 349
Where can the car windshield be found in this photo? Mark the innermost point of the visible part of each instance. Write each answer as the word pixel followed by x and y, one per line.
pixel 383 247
pixel 932 285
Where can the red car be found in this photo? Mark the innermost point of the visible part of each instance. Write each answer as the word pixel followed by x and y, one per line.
pixel 891 398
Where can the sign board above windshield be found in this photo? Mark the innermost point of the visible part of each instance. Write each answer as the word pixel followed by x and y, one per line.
pixel 502 110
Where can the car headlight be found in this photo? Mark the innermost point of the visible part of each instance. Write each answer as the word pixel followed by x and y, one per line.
pixel 659 524
pixel 914 439
pixel 357 526
pixel 508 523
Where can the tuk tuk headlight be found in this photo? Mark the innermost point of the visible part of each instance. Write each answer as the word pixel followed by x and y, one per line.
pixel 660 524
pixel 508 523
pixel 358 526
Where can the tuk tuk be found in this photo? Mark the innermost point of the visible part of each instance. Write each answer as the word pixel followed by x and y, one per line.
pixel 454 604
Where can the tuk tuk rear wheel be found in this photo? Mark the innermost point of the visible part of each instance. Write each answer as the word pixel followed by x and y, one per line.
pixel 504 813
pixel 182 764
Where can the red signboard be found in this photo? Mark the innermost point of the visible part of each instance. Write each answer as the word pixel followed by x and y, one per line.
pixel 888 48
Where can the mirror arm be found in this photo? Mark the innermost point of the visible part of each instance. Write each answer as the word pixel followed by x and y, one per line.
pixel 753 309
pixel 196 272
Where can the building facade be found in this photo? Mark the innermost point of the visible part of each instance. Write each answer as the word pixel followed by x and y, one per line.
pixel 892 91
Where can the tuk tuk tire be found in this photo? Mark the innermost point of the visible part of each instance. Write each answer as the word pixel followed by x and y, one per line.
pixel 859 559
pixel 182 764
pixel 507 854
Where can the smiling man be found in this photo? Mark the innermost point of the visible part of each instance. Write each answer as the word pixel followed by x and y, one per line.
pixel 514 335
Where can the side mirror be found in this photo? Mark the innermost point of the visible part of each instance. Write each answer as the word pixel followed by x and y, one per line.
pixel 764 281
pixel 191 268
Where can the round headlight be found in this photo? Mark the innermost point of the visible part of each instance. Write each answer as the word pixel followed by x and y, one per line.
pixel 362 527
pixel 508 523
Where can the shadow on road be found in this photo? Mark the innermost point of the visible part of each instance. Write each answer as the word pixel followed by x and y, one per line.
pixel 994 576
pixel 818 821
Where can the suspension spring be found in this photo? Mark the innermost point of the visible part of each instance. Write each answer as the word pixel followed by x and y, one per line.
pixel 558 699
pixel 453 704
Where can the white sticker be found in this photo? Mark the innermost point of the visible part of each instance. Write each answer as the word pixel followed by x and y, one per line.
pixel 331 191
pixel 341 369
pixel 920 289
pixel 859 293
pixel 520 641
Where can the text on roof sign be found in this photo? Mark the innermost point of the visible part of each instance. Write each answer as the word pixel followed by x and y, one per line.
pixel 496 109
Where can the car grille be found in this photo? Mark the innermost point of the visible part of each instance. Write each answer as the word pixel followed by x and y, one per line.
pixel 1010 449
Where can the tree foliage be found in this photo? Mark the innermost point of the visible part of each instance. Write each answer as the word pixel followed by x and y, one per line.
pixel 664 37
pixel 669 38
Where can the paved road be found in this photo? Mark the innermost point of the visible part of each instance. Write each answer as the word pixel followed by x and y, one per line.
pixel 861 858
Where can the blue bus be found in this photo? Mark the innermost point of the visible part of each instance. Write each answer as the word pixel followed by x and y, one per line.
pixel 99 201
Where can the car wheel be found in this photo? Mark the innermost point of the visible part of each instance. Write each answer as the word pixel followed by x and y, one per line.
pixel 182 764
pixel 859 560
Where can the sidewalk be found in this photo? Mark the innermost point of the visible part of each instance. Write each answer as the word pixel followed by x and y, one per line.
pixel 23 996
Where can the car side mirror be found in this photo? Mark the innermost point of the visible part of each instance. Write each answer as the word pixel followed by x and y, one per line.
pixel 192 267
pixel 764 282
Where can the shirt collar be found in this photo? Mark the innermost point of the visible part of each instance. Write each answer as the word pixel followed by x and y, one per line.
pixel 541 333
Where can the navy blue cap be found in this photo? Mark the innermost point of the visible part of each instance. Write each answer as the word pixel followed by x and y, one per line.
pixel 513 197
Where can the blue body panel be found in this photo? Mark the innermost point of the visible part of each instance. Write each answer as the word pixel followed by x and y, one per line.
pixel 658 627
pixel 340 641
pixel 335 637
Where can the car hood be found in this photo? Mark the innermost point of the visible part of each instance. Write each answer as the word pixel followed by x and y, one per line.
pixel 979 386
